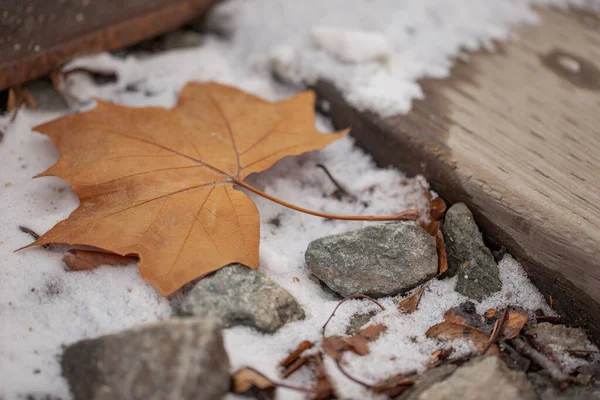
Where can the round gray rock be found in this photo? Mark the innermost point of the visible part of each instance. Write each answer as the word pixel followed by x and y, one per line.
pixel 182 358
pixel 380 260
pixel 238 295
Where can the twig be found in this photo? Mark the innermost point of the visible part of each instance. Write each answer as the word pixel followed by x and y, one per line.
pixel 279 384
pixel 554 370
pixel 409 380
pixel 407 215
pixel 498 326
pixel 339 186
pixel 29 232
pixel 354 296
pixel 32 234
pixel 582 351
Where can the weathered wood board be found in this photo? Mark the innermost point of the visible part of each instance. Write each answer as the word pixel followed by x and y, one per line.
pixel 37 36
pixel 515 134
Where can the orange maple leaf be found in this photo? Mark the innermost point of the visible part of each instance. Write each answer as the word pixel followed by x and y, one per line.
pixel 160 183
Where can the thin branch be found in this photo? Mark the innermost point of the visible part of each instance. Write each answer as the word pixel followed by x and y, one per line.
pixel 407 215
pixel 29 232
pixel 34 235
pixel 339 186
pixel 554 370
pixel 354 296
pixel 498 326
pixel 353 378
pixel 406 381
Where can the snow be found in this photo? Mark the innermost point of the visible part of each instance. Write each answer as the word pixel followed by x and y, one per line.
pixel 352 46
pixel 386 45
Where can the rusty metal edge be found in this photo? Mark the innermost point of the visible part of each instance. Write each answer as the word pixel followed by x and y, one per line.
pixel 109 38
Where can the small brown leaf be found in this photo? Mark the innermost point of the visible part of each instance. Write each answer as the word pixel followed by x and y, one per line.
pixel 452 316
pixel 517 318
pixel 447 331
pixel 294 366
pixel 409 304
pixel 294 355
pixel 437 208
pixel 246 378
pixel 441 354
pixel 358 344
pixel 372 332
pixel 323 387
pixel 335 346
pixel 82 260
pixel 514 324
pixel 441 250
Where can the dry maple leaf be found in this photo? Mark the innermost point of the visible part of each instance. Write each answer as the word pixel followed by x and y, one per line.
pixel 159 183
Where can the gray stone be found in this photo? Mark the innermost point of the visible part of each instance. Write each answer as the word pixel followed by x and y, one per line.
pixel 562 336
pixel 380 260
pixel 181 39
pixel 357 321
pixel 426 380
pixel 238 295
pixel 46 97
pixel 468 257
pixel 482 378
pixel 182 358
pixel 547 389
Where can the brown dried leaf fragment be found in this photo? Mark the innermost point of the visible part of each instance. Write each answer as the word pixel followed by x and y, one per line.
pixel 514 324
pixel 334 346
pixel 441 249
pixel 409 304
pixel 441 354
pixel 294 366
pixel 372 332
pixel 437 208
pixel 247 378
pixel 447 331
pixel 83 260
pixel 323 388
pixel 294 355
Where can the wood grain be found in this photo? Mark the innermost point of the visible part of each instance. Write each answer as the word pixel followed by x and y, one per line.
pixel 37 36
pixel 516 135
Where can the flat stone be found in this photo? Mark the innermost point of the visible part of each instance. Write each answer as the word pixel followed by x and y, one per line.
pixel 426 380
pixel 238 295
pixel 547 389
pixel 562 336
pixel 380 260
pixel 468 257
pixel 181 358
pixel 482 378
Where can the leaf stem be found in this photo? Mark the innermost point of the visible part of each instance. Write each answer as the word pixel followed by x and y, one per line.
pixel 407 215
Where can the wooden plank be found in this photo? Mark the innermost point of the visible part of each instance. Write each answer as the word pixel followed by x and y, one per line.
pixel 516 135
pixel 37 36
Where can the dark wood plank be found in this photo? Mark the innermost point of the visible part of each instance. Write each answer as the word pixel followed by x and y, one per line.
pixel 515 134
pixel 37 36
